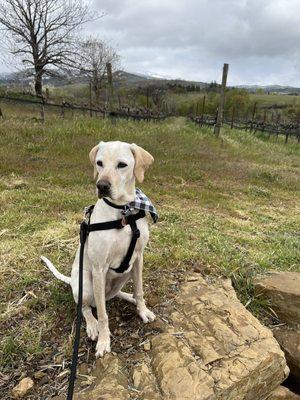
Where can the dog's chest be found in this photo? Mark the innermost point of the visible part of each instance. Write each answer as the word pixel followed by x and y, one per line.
pixel 109 247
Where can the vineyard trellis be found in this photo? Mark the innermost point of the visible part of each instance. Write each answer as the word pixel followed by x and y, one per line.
pixel 271 128
pixel 123 112
pixel 277 128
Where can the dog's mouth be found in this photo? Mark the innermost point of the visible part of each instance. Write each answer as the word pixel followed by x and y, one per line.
pixel 103 193
pixel 103 188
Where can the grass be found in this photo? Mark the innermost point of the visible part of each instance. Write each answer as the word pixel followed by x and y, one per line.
pixel 227 205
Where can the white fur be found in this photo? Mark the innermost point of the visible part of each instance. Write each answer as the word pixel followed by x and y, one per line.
pixel 55 272
pixel 104 250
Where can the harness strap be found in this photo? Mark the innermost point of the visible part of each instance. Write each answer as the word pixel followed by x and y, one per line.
pixel 135 235
pixel 103 226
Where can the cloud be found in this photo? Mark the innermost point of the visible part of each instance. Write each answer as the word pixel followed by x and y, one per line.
pixel 192 39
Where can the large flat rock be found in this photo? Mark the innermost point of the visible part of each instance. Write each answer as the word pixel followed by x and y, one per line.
pixel 282 289
pixel 282 393
pixel 211 349
pixel 289 340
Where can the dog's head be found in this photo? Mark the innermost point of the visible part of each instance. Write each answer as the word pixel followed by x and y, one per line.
pixel 116 165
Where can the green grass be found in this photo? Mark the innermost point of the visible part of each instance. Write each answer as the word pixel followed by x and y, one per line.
pixel 279 99
pixel 227 205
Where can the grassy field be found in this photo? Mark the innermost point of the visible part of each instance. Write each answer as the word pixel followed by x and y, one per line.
pixel 227 206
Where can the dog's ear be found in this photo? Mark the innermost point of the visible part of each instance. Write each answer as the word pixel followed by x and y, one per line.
pixel 92 157
pixel 143 160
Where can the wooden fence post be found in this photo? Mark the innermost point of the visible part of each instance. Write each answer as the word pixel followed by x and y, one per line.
pixel 287 136
pixel 90 99
pixel 278 122
pixel 1 113
pixel 62 111
pixel 232 117
pixel 219 121
pixel 203 109
pixel 264 122
pixel 253 116
pixel 216 115
pixel 147 94
pixel 43 110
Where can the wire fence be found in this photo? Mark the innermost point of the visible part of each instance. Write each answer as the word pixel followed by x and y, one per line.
pixel 42 107
pixel 271 128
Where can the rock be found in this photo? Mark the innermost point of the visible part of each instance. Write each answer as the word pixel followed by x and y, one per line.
pixel 289 341
pixel 237 357
pixel 283 393
pixel 283 291
pixel 39 375
pixel 144 382
pixel 178 373
pixel 22 388
pixel 212 349
pixel 147 346
pixel 110 381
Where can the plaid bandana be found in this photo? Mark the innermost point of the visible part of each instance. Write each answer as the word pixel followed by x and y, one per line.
pixel 141 202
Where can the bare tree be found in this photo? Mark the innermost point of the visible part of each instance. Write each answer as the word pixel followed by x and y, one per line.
pixel 41 33
pixel 94 54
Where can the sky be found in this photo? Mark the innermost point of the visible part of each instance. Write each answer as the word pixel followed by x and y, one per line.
pixel 191 39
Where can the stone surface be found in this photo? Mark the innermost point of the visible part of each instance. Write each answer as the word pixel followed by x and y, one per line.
pixel 147 346
pixel 289 341
pixel 211 349
pixel 144 381
pixel 22 388
pixel 110 383
pixel 283 393
pixel 283 291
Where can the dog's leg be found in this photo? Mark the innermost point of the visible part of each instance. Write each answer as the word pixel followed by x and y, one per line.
pixel 138 294
pixel 87 300
pixel 126 296
pixel 103 344
pixel 91 322
pixel 116 287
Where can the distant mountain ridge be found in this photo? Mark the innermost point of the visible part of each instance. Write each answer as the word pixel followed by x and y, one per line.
pixel 138 79
pixel 270 88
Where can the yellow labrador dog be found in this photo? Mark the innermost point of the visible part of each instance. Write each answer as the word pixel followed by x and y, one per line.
pixel 117 165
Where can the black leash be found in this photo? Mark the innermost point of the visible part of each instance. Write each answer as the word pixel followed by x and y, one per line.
pixel 85 228
pixel 83 236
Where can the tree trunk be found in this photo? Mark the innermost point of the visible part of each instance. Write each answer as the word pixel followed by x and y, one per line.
pixel 38 85
pixel 97 93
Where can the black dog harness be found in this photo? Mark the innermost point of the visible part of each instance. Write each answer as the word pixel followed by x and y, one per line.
pixel 85 228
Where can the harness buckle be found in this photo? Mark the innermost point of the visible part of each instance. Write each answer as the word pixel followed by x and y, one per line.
pixel 87 213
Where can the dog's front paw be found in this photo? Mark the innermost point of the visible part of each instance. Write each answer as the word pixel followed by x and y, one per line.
pixel 92 328
pixel 146 315
pixel 103 346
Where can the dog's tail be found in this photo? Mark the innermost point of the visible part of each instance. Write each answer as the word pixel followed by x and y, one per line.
pixel 55 272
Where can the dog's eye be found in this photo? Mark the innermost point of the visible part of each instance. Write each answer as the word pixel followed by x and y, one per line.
pixel 100 163
pixel 122 165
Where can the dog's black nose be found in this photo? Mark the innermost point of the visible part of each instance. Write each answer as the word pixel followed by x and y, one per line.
pixel 103 187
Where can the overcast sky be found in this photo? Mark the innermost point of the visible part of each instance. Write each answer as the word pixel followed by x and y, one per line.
pixel 191 39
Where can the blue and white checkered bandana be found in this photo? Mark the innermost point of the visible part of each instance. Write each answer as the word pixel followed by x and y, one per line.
pixel 141 202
